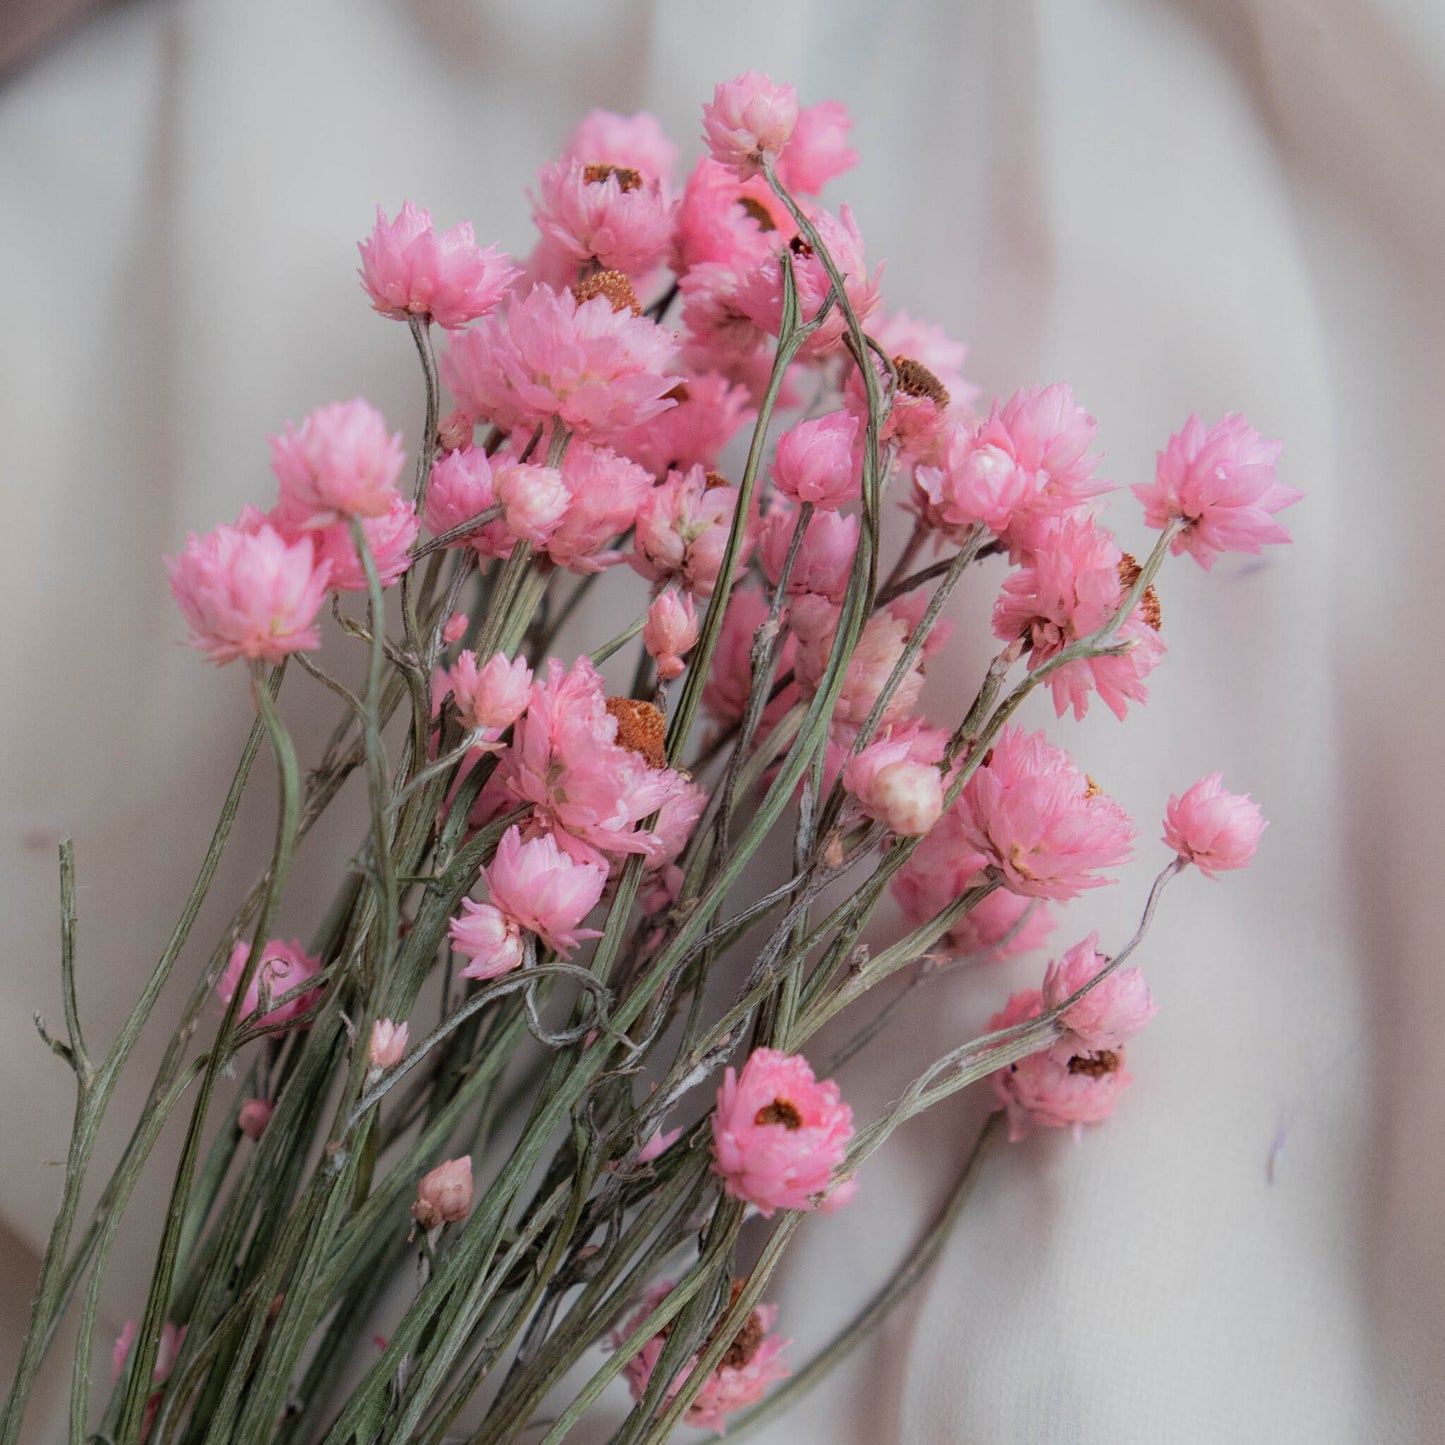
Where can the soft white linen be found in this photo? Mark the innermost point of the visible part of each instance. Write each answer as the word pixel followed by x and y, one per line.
pixel 1211 206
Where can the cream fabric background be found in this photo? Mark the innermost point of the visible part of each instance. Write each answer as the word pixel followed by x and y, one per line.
pixel 1209 204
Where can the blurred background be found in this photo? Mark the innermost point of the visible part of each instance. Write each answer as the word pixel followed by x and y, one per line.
pixel 1204 205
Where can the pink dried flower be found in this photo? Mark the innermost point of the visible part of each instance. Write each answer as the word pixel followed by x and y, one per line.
pixel 341 462
pixel 676 820
pixel 388 1043
pixel 825 555
pixel 1212 828
pixel 534 500
pixel 1110 1014
pixel 778 1134
pixel 1224 483
pixel 455 628
pixel 730 680
pixel 636 142
pixel 283 967
pixel 407 268
pixel 751 1364
pixel 724 220
pixel 253 1117
pixel 1040 821
pixel 817 461
pixel 818 150
pixel 591 212
pixel 461 488
pixel 749 122
pixel 482 933
pixel 605 491
pixel 710 411
pixel 682 530
pixel 388 538
pixel 1042 1091
pixel 445 1195
pixel 670 631
pixel 894 788
pixel 723 338
pixel 884 637
pixel 539 888
pixel 492 696
pixel 596 370
pixel 249 593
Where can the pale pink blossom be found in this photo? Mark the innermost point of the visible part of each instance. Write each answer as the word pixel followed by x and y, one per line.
pixel 818 150
pixel 676 821
pixel 817 461
pixel 340 462
pixel 1213 829
pixel 388 538
pixel 1109 1015
pixel 1030 813
pixel 533 499
pixel 1043 1091
pixel 671 631
pixel 724 220
pixel 748 122
pixel 825 555
pixel 752 1363
pixel 777 1133
pixel 604 493
pixel 445 1195
pixel 894 788
pixel 492 942
pixel 730 678
pixel 882 643
pixel 249 594
pixel 683 526
pixel 492 696
pixel 407 268
pixel 283 967
pixel 710 411
pixel 541 889
pixel 253 1117
pixel 461 488
pixel 596 370
pixel 593 213
pixel 635 142
pixel 720 336
pixel 455 628
pixel 388 1043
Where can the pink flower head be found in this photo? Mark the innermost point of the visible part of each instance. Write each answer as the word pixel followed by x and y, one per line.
pixel 723 338
pixel 817 461
pixel 534 500
pixel 730 680
pixel 591 212
pixel 724 220
pixel 484 934
pixel 461 488
pixel 445 1195
pixel 751 1364
pixel 1224 483
pixel 676 821
pixel 283 967
pixel 388 1043
pixel 249 593
pixel 1213 829
pixel 253 1117
pixel 1110 1014
pixel 538 887
pixel 388 538
pixel 710 411
pixel 894 788
pixel 455 628
pixel 818 150
pixel 598 371
pixel 604 493
pixel 749 122
pixel 884 637
pixel 1043 1091
pixel 492 696
pixel 825 555
pixel 670 631
pixel 778 1134
pixel 407 268
pixel 341 462
pixel 633 142
pixel 682 530
pixel 1029 812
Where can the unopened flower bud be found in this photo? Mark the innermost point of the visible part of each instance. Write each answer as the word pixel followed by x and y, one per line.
pixel 895 789
pixel 254 1116
pixel 671 630
pixel 534 500
pixel 455 431
pixel 388 1043
pixel 445 1195
pixel 456 628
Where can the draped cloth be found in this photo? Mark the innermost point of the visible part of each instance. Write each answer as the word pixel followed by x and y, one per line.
pixel 1209 205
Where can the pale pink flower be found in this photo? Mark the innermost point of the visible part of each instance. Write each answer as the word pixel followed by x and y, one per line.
pixel 604 493
pixel 636 142
pixel 894 788
pixel 818 150
pixel 724 220
pixel 1224 482
pixel 283 967
pixel 817 461
pixel 883 640
pixel 596 370
pixel 540 888
pixel 720 336
pixel 710 411
pixel 388 1043
pixel 1043 1091
pixel 455 628
pixel 492 942
pixel 388 538
pixel 445 1195
pixel 593 213
pixel 340 462
pixel 752 1363
pixel 249 593
pixel 533 498
pixel 492 696
pixel 1213 829
pixel 1109 1015
pixel 676 820
pixel 730 678
pixel 407 268
pixel 1039 820
pixel 253 1117
pixel 670 631
pixel 682 530
pixel 778 1134
pixel 461 488
pixel 825 555
pixel 748 122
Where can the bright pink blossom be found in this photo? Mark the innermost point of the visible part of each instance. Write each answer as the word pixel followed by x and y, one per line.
pixel 455 628
pixel 670 631
pixel 388 1043
pixel 752 1363
pixel 710 411
pixel 340 462
pixel 817 461
pixel 1212 828
pixel 894 788
pixel 283 967
pixel 253 1117
pixel 604 493
pixel 492 942
pixel 1223 482
pixel 445 1195
pixel 1109 1015
pixel 492 696
pixel 460 489
pixel 407 268
pixel 720 336
pixel 533 499
pixel 596 370
pixel 540 888
pixel 724 220
pixel 748 122
pixel 818 149
pixel 249 593
pixel 593 213
pixel 388 538
pixel 1030 813
pixel 682 530
pixel 825 555
pixel 777 1133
